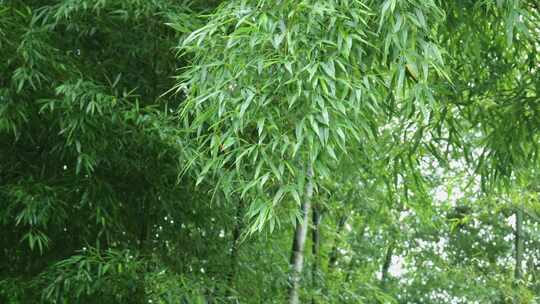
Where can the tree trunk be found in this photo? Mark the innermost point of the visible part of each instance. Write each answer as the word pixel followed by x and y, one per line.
pixel 299 241
pixel 316 241
pixel 351 265
pixel 518 237
pixel 386 264
pixel 143 221
pixel 332 260
pixel 237 230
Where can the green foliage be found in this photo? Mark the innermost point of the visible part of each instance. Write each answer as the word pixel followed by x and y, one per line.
pixel 272 88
